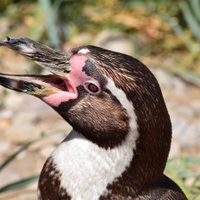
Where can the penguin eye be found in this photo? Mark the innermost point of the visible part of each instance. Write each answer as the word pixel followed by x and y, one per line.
pixel 92 88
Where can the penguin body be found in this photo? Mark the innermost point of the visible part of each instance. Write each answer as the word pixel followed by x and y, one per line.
pixel 121 135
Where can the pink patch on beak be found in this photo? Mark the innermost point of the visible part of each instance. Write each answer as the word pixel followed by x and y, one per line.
pixel 77 64
pixel 78 61
pixel 75 78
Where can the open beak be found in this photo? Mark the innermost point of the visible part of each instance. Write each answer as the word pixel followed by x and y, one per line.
pixel 47 87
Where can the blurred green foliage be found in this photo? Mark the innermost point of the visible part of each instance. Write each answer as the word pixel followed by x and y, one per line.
pixel 184 172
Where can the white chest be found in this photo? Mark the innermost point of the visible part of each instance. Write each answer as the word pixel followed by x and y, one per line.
pixel 86 169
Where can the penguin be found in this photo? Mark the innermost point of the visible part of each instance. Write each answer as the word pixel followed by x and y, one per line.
pixel 121 135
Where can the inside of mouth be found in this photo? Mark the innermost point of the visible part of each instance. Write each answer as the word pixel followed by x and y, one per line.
pixel 55 90
pixel 51 80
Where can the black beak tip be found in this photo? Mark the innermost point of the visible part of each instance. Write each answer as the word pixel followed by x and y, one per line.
pixel 5 82
pixel 9 83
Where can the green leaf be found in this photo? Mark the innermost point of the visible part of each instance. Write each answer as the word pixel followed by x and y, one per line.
pixel 25 146
pixel 50 20
pixel 195 5
pixel 190 19
pixel 19 184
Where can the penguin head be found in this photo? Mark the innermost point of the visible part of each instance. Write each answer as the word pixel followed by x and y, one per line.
pixel 103 95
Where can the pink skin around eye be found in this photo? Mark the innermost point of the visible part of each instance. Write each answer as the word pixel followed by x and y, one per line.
pixel 75 78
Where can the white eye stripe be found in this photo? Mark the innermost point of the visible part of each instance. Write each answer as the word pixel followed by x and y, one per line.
pixel 121 96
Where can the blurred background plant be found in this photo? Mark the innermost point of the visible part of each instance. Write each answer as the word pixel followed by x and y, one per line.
pixel 156 28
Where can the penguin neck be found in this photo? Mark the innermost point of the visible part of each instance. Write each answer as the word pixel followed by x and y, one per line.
pixel 81 163
pixel 78 163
